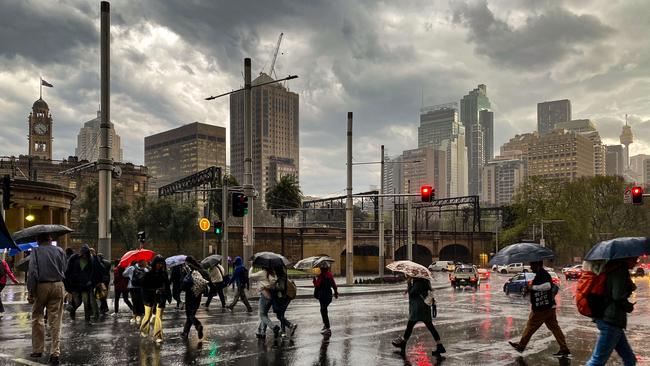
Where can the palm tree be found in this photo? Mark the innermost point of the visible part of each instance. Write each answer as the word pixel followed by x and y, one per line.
pixel 283 199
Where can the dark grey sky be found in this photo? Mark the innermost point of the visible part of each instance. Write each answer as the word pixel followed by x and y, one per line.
pixel 377 59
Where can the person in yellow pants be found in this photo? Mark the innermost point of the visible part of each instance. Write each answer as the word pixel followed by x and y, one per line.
pixel 156 293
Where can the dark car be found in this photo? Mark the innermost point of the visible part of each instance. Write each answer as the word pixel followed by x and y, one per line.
pixel 518 284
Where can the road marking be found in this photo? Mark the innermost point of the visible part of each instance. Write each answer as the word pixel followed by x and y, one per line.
pixel 21 361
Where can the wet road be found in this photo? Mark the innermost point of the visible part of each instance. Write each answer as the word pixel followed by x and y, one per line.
pixel 474 327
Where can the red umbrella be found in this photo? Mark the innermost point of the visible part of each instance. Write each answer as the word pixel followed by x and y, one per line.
pixel 136 255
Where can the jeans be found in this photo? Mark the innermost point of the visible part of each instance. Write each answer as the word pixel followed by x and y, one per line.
pixel 611 338
pixel 324 303
pixel 265 321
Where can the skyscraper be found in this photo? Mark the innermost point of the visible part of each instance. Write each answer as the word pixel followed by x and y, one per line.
pixel 588 129
pixel 425 165
pixel 551 113
pixel 441 129
pixel 276 122
pixel 479 123
pixel 627 138
pixel 501 178
pixel 560 154
pixel 615 164
pixel 88 141
pixel 182 151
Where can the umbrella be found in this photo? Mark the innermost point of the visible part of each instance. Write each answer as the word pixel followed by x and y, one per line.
pixel 5 238
pixel 136 255
pixel 23 264
pixel 522 253
pixel 269 260
pixel 306 263
pixel 176 260
pixel 324 259
pixel 22 248
pixel 410 269
pixel 31 233
pixel 619 248
pixel 211 261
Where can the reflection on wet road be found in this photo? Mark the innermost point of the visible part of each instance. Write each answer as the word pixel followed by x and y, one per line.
pixel 475 328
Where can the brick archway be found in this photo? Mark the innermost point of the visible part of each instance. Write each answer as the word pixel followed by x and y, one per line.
pixel 456 253
pixel 421 254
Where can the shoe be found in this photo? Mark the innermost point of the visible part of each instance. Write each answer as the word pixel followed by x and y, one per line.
pixel 200 331
pixel 54 360
pixel 184 336
pixel 292 329
pixel 143 335
pixel 517 346
pixel 440 349
pixel 562 353
pixel 276 331
pixel 400 343
pixel 250 310
pixel 159 341
pixel 326 331
pixel 36 355
pixel 138 319
pixel 132 320
pixel 115 314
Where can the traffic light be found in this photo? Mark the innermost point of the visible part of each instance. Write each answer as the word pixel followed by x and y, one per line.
pixel 141 236
pixel 7 196
pixel 637 195
pixel 426 192
pixel 239 204
pixel 218 227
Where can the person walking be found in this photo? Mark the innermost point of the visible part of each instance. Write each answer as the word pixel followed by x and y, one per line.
pixel 155 293
pixel 266 280
pixel 176 279
pixel 217 285
pixel 281 300
pixel 324 284
pixel 543 311
pixel 5 272
pixel 192 300
pixel 134 273
pixel 121 287
pixel 106 281
pixel 612 324
pixel 82 275
pixel 419 311
pixel 45 291
pixel 241 282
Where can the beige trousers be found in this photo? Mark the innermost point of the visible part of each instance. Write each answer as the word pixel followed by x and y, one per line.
pixel 48 295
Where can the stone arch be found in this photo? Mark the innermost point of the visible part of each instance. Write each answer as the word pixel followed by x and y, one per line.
pixel 421 254
pixel 456 253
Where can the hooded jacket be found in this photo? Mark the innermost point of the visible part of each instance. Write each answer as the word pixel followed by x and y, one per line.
pixel 156 282
pixel 240 274
pixel 83 272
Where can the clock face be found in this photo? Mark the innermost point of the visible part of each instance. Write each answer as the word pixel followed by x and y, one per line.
pixel 40 128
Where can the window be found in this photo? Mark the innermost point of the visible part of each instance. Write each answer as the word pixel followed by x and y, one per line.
pixel 136 187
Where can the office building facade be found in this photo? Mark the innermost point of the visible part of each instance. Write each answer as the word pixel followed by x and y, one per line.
pixel 614 161
pixel 88 141
pixel 424 166
pixel 183 151
pixel 588 129
pixel 501 179
pixel 478 120
pixel 560 154
pixel 551 113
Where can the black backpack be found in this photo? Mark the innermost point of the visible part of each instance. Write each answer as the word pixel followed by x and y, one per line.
pixel 137 278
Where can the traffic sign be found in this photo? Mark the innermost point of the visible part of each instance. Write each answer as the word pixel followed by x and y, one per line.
pixel 627 196
pixel 204 224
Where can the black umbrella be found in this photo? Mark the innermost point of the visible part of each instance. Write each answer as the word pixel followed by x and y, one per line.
pixel 211 261
pixel 522 253
pixel 23 264
pixel 33 232
pixel 619 248
pixel 269 260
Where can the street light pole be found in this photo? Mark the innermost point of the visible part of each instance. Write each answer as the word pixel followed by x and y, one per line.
pixel 381 218
pixel 349 212
pixel 224 218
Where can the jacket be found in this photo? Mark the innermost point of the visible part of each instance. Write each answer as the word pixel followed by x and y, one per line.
pixel 324 284
pixel 618 288
pixel 541 293
pixel 128 273
pixel 78 279
pixel 418 290
pixel 156 284
pixel 8 273
pixel 216 274
pixel 120 282
pixel 240 274
pixel 265 281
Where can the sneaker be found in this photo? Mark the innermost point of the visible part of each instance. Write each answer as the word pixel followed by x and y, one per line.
pixel 158 341
pixel 517 347
pixel 292 329
pixel 184 336
pixel 562 353
pixel 276 331
pixel 138 319
pixel 143 334
pixel 326 331
pixel 200 331
pixel 115 314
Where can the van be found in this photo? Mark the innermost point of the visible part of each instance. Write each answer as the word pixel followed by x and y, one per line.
pixel 442 266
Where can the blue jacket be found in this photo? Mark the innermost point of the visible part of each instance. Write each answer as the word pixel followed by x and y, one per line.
pixel 240 275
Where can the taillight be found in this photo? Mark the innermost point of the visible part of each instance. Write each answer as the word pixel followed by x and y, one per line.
pixel 530 283
pixel 473 279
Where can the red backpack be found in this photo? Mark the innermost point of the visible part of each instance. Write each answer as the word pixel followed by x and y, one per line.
pixel 590 294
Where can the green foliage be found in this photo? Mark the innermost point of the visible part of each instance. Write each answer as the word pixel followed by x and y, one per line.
pixel 592 210
pixel 284 197
pixel 167 219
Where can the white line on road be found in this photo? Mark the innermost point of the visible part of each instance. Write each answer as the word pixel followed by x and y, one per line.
pixel 20 360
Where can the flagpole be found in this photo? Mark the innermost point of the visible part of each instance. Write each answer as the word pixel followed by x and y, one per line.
pixel 41 92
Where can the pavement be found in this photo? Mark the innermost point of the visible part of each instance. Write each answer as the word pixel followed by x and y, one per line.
pixel 474 326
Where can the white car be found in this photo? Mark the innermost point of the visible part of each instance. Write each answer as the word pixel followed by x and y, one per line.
pixel 513 268
pixel 442 266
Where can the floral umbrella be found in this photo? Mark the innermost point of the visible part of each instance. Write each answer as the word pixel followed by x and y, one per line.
pixel 410 269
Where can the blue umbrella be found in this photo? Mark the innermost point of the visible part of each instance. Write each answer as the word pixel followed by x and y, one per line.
pixel 176 260
pixel 22 248
pixel 522 253
pixel 619 248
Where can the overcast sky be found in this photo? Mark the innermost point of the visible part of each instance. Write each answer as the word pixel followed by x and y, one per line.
pixel 377 59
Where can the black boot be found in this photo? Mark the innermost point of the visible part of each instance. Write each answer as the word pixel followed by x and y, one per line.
pixel 400 343
pixel 440 349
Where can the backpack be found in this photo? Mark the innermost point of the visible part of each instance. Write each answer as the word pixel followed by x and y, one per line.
pixel 137 278
pixel 292 290
pixel 590 294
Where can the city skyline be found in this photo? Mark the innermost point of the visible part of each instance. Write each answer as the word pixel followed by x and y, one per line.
pixel 163 66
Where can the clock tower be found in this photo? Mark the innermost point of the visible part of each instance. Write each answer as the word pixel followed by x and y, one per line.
pixel 40 130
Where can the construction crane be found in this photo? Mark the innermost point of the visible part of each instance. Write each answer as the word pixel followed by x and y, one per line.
pixel 275 57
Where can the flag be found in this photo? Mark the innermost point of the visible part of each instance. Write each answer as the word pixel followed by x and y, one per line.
pixel 45 83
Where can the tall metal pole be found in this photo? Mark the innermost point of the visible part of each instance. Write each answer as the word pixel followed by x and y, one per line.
pixel 105 161
pixel 249 190
pixel 409 226
pixel 392 233
pixel 349 228
pixel 224 218
pixel 381 217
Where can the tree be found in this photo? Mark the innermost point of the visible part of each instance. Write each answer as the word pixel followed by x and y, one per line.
pixel 283 198
pixel 169 219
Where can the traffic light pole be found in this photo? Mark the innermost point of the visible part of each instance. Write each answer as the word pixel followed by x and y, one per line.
pixel 381 218
pixel 224 218
pixel 349 212
pixel 249 190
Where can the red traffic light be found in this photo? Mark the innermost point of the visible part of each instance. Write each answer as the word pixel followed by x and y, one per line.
pixel 637 195
pixel 426 193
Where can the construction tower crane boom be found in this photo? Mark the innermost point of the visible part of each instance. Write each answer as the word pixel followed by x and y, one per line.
pixel 275 56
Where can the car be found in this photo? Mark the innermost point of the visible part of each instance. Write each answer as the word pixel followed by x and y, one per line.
pixel 518 284
pixel 638 271
pixel 574 272
pixel 514 268
pixel 566 267
pixel 465 275
pixel 483 274
pixel 442 266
